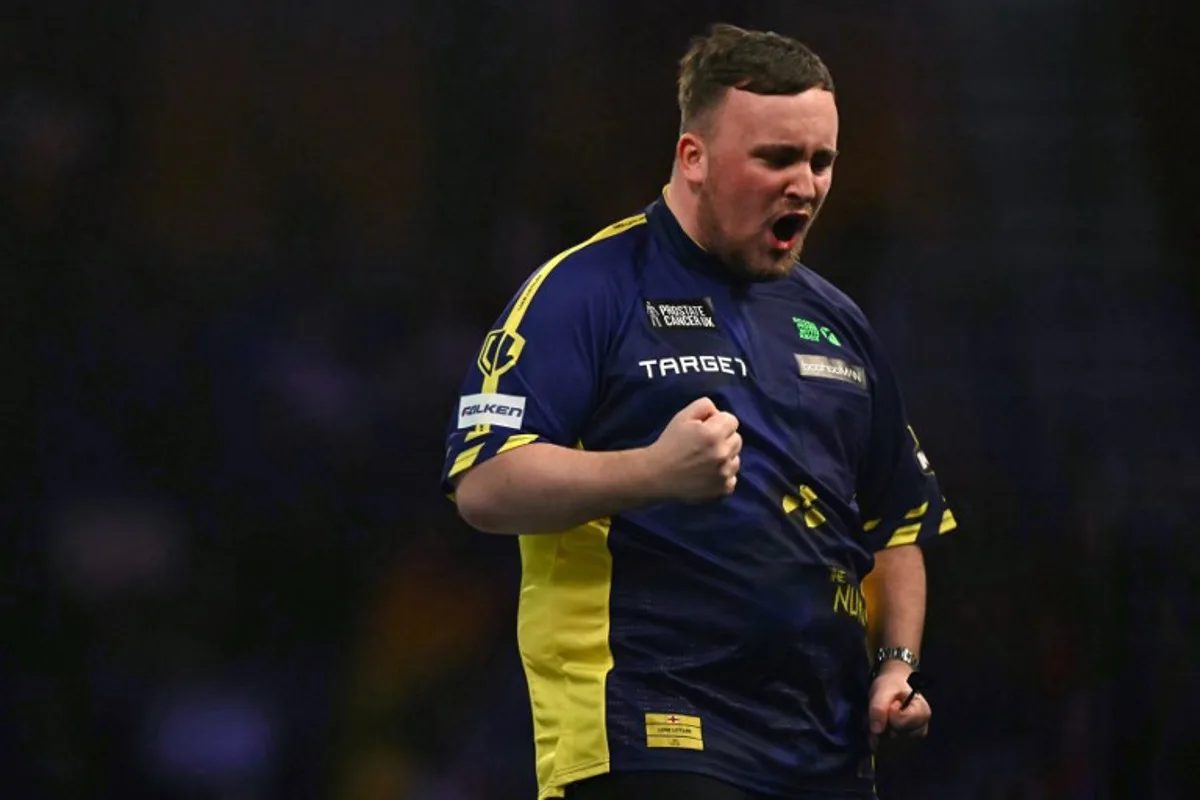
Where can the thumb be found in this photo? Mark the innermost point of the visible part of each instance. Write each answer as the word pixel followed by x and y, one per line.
pixel 700 409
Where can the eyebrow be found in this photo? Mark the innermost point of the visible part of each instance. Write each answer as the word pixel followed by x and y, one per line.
pixel 788 149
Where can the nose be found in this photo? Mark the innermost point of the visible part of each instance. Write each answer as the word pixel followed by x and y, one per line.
pixel 801 187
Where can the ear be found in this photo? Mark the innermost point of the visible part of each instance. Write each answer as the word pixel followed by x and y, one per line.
pixel 691 156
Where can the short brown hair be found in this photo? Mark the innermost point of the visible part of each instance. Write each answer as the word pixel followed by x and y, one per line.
pixel 762 62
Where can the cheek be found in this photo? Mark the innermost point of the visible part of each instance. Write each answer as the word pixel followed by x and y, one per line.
pixel 824 185
pixel 748 200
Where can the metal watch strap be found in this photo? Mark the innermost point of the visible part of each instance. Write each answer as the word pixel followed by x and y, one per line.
pixel 897 654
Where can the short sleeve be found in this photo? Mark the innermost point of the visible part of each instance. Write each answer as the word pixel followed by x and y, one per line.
pixel 898 493
pixel 536 375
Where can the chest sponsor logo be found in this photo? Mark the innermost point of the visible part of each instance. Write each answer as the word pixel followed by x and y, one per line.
pixel 501 410
pixel 681 314
pixel 683 365
pixel 809 331
pixel 834 369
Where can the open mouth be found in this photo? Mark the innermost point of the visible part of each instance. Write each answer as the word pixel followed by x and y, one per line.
pixel 787 228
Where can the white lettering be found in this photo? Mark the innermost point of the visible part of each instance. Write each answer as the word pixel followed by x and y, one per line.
pixel 501 410
pixel 680 315
pixel 836 369
pixel 686 317
pixel 684 365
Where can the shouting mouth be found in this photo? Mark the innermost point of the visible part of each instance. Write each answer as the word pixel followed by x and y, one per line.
pixel 787 229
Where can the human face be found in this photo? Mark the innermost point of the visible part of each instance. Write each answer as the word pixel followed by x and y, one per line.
pixel 768 165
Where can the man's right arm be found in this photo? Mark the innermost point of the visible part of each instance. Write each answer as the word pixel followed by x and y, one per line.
pixel 546 488
pixel 511 461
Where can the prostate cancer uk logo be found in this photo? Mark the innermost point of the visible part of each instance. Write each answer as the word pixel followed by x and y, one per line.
pixel 499 410
pixel 681 314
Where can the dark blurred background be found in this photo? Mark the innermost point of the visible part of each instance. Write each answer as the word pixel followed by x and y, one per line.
pixel 248 249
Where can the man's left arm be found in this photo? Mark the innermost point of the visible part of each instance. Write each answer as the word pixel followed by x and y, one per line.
pixel 896 598
pixel 902 509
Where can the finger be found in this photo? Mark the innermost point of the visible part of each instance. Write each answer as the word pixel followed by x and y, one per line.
pixel 908 733
pixel 877 716
pixel 701 408
pixel 907 724
pixel 731 447
pixel 731 467
pixel 911 719
pixel 919 705
pixel 730 484
pixel 723 424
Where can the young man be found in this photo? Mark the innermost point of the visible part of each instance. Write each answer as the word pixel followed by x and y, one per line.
pixel 704 451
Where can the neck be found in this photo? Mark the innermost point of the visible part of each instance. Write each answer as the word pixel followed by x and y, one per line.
pixel 684 202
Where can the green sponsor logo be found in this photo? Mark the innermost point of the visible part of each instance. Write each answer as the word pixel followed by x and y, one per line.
pixel 810 332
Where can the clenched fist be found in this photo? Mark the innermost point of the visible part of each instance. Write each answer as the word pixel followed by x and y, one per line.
pixel 697 454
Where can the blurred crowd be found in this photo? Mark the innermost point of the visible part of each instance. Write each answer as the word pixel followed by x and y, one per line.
pixel 249 250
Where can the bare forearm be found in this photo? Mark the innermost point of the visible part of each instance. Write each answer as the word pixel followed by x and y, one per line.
pixel 544 488
pixel 896 597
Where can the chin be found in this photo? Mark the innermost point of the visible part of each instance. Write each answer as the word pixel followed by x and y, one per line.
pixel 760 265
pixel 766 270
pixel 780 266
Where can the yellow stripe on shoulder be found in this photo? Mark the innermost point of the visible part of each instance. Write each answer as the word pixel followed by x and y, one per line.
pixel 526 297
pixel 502 347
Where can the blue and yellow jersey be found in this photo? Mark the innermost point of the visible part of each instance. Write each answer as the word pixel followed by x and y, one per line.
pixel 725 638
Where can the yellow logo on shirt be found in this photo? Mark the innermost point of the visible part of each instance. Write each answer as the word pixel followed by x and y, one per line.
pixel 847 596
pixel 500 351
pixel 813 518
pixel 674 730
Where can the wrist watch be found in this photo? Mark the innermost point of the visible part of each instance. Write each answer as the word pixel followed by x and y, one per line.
pixel 898 654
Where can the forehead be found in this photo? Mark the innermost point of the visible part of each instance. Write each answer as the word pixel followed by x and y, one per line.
pixel 808 120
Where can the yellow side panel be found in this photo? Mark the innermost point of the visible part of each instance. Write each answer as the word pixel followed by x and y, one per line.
pixel 563 634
